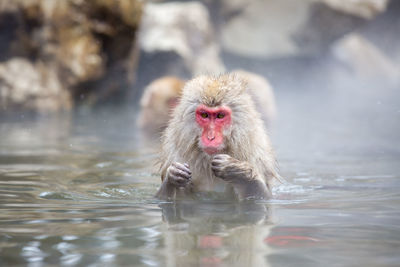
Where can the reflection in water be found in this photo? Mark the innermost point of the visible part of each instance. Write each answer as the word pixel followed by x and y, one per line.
pixel 215 233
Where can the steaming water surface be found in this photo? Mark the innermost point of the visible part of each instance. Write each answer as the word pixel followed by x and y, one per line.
pixel 78 191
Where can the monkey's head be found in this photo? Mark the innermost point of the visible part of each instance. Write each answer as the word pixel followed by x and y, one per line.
pixel 159 99
pixel 209 112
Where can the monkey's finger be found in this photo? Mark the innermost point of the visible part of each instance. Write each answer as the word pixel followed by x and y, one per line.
pixel 220 174
pixel 181 167
pixel 180 173
pixel 224 170
pixel 178 181
pixel 218 162
pixel 215 164
pixel 217 169
pixel 221 157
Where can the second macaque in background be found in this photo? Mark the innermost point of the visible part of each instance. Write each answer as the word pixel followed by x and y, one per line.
pixel 157 103
pixel 161 96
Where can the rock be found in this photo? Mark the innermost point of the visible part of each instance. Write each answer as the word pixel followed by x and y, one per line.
pixel 365 61
pixel 323 27
pixel 31 87
pixel 264 28
pixel 362 8
pixel 87 44
pixel 384 31
pixel 183 29
pixel 276 29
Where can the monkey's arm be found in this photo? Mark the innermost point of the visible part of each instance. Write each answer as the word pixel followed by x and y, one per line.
pixel 242 177
pixel 177 176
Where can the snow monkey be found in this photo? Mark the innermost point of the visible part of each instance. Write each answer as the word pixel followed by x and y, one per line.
pixel 159 99
pixel 216 141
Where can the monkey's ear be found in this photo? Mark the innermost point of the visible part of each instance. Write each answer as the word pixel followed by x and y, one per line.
pixel 173 102
pixel 146 98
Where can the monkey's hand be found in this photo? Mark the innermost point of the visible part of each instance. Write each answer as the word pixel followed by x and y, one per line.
pixel 230 169
pixel 178 176
pixel 240 174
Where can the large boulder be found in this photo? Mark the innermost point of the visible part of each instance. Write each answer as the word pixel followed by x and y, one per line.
pixel 86 44
pixel 275 29
pixel 177 38
pixel 31 87
pixel 366 62
pixel 362 8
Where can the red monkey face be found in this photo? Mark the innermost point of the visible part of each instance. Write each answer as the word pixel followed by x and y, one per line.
pixel 213 121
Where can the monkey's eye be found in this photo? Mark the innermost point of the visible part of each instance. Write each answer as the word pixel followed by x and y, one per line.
pixel 204 115
pixel 220 115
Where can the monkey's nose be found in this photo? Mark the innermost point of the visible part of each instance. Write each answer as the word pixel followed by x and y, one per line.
pixel 211 135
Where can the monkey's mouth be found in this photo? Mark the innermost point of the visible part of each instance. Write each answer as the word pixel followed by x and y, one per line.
pixel 211 150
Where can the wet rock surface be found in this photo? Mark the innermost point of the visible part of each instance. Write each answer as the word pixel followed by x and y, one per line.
pixel 272 29
pixel 32 87
pixel 85 45
pixel 365 61
pixel 177 38
pixel 361 8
